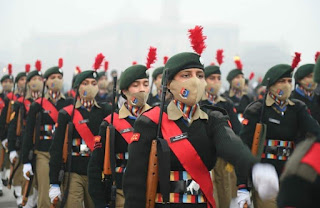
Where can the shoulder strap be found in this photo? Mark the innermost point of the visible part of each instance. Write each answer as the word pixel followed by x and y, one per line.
pixel 122 126
pixel 179 144
pixel 50 108
pixel 81 127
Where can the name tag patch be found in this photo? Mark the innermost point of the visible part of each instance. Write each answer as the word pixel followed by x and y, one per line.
pixel 126 130
pixel 179 137
pixel 46 111
pixel 84 121
pixel 272 120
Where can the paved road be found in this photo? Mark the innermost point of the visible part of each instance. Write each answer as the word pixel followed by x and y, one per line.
pixel 7 200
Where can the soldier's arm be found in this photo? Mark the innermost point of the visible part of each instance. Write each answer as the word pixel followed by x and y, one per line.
pixel 57 147
pixel 28 137
pixel 12 136
pixel 135 176
pixel 97 190
pixel 230 147
pixel 232 112
pixel 307 121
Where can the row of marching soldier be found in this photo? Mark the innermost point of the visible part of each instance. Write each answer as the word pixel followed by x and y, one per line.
pixel 183 144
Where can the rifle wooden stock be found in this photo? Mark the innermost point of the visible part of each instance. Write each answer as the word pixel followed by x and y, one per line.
pixel 3 152
pixel 152 176
pixel 106 163
pixel 256 138
pixel 11 102
pixel 25 191
pixel 65 146
pixel 18 129
pixel 11 171
pixel 54 203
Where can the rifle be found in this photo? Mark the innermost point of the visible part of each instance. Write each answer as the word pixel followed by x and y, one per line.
pixel 260 130
pixel 153 168
pixel 19 130
pixel 109 155
pixel 67 159
pixel 32 156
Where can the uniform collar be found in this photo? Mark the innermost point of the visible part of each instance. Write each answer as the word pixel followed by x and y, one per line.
pixel 270 101
pixel 237 93
pixel 218 99
pixel 61 96
pixel 124 112
pixel 174 113
pixel 78 104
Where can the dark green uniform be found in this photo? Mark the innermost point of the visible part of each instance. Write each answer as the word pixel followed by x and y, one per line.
pixel 313 103
pixel 102 98
pixel 210 137
pixel 153 100
pixel 97 189
pixel 291 127
pixel 239 103
pixel 227 105
pixel 44 144
pixel 79 163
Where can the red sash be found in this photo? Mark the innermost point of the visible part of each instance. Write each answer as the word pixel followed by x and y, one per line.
pixel 186 153
pixel 312 157
pixel 9 96
pixel 122 126
pixel 72 93
pixel 81 127
pixel 2 104
pixel 26 103
pixel 49 108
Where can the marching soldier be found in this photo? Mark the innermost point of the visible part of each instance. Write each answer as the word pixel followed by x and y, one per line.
pixel 72 93
pixel 224 175
pixel 7 97
pixel 73 142
pixel 154 98
pixel 305 89
pixel 300 181
pixel 236 91
pixel 287 121
pixel 30 91
pixel 134 85
pixel 192 139
pixel 103 84
pixel 41 120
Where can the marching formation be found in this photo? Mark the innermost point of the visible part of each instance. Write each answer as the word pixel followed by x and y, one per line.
pixel 174 141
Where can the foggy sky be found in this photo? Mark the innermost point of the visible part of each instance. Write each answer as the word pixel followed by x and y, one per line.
pixel 295 22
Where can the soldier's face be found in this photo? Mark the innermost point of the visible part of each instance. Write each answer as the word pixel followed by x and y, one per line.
pixel 283 81
pixel 157 81
pixel 140 85
pixel 214 79
pixel 22 82
pixel 186 74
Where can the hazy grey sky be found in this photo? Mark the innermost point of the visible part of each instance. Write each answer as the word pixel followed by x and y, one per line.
pixel 295 21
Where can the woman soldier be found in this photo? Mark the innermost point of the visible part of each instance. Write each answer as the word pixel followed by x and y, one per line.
pixel 305 89
pixel 86 116
pixel 38 139
pixel 134 86
pixel 195 139
pixel 287 120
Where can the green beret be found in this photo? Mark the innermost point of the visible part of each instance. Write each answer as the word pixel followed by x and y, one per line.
pixel 157 71
pixel 277 72
pixel 32 74
pixel 20 75
pixel 316 75
pixel 131 74
pixel 52 70
pixel 7 76
pixel 181 61
pixel 211 70
pixel 233 73
pixel 84 75
pixel 303 71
